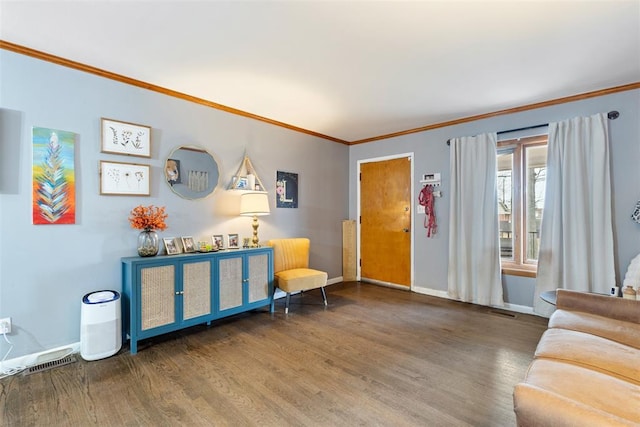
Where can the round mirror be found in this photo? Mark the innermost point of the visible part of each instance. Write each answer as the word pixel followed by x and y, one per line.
pixel 191 172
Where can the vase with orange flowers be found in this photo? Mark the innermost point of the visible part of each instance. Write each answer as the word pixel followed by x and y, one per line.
pixel 148 219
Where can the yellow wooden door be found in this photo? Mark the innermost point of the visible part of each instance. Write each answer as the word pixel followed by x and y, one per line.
pixel 385 221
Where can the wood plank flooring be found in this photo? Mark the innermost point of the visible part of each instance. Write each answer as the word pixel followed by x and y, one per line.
pixel 375 356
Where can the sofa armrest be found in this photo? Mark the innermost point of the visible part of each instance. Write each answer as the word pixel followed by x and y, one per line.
pixel 601 305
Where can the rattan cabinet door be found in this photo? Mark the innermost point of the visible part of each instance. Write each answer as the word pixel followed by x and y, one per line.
pixel 157 296
pixel 258 277
pixel 230 283
pixel 196 289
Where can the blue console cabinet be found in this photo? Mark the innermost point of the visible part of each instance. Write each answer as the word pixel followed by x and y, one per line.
pixel 167 293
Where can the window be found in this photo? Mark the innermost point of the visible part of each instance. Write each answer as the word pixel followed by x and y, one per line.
pixel 522 171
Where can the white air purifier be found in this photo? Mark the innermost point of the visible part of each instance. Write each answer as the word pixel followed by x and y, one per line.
pixel 100 325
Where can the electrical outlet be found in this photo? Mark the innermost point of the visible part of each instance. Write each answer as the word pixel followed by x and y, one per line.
pixel 5 325
pixel 421 209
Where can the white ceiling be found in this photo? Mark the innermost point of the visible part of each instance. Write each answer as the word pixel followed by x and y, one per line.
pixel 350 70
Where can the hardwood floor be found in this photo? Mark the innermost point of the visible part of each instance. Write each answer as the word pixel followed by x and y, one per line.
pixel 375 356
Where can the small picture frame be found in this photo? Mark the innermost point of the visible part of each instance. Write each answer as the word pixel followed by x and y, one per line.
pixel 130 139
pixel 217 241
pixel 233 241
pixel 241 183
pixel 125 179
pixel 171 245
pixel 188 244
pixel 246 242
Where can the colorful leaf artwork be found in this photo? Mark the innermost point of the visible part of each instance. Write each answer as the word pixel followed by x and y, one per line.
pixel 53 174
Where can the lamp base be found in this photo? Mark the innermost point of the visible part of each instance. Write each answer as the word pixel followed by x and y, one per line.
pixel 255 241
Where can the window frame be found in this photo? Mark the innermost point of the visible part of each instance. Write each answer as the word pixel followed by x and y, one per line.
pixel 519 266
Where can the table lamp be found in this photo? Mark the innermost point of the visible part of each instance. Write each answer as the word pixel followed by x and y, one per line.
pixel 254 204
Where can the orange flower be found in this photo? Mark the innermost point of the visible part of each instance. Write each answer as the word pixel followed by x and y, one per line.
pixel 148 218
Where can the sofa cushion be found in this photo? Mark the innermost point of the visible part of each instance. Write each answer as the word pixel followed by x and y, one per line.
pixel 616 330
pixel 537 407
pixel 557 393
pixel 591 351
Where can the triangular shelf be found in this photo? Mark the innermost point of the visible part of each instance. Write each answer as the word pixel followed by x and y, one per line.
pixel 240 180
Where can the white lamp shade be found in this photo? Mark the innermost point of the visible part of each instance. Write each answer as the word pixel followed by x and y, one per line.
pixel 254 204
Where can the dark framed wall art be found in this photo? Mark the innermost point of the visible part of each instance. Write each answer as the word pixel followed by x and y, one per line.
pixel 286 189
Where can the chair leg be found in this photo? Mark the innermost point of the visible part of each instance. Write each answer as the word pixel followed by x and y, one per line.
pixel 286 305
pixel 324 295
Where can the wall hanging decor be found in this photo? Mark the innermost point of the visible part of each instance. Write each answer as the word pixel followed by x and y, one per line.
pixel 53 176
pixel 126 179
pixel 286 190
pixel 126 138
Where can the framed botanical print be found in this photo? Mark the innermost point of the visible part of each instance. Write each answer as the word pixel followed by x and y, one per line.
pixel 125 138
pixel 127 179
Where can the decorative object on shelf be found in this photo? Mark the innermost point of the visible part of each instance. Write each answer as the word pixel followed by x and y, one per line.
pixel 171 246
pixel 217 240
pixel 286 189
pixel 188 244
pixel 148 219
pixel 191 172
pixel 246 177
pixel 246 242
pixel 53 176
pixel 254 204
pixel 126 179
pixel 233 241
pixel 126 138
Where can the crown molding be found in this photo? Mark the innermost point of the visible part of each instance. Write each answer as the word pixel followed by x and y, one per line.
pixel 127 80
pixel 155 88
pixel 564 100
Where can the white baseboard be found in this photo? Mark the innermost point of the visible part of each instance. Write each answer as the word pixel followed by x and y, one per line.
pixel 430 292
pixel 334 280
pixel 443 294
pixel 37 358
pixel 518 308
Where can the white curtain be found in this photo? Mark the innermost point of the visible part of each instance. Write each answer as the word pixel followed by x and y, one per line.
pixel 576 234
pixel 474 246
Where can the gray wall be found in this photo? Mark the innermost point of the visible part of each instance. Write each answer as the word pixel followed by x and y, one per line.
pixel 46 269
pixel 431 154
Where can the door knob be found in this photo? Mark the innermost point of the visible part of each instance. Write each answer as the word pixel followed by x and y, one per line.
pixel 406 230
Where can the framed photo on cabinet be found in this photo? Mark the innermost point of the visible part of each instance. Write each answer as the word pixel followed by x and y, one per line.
pixel 171 245
pixel 188 244
pixel 233 241
pixel 218 241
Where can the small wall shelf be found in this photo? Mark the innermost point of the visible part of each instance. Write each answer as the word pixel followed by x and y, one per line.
pixel 246 178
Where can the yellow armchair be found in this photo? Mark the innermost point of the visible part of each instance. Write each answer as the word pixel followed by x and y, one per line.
pixel 291 268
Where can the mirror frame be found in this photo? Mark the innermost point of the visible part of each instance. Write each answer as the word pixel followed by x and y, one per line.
pixel 206 174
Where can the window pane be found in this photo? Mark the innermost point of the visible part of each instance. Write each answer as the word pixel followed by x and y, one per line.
pixel 535 175
pixel 505 203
